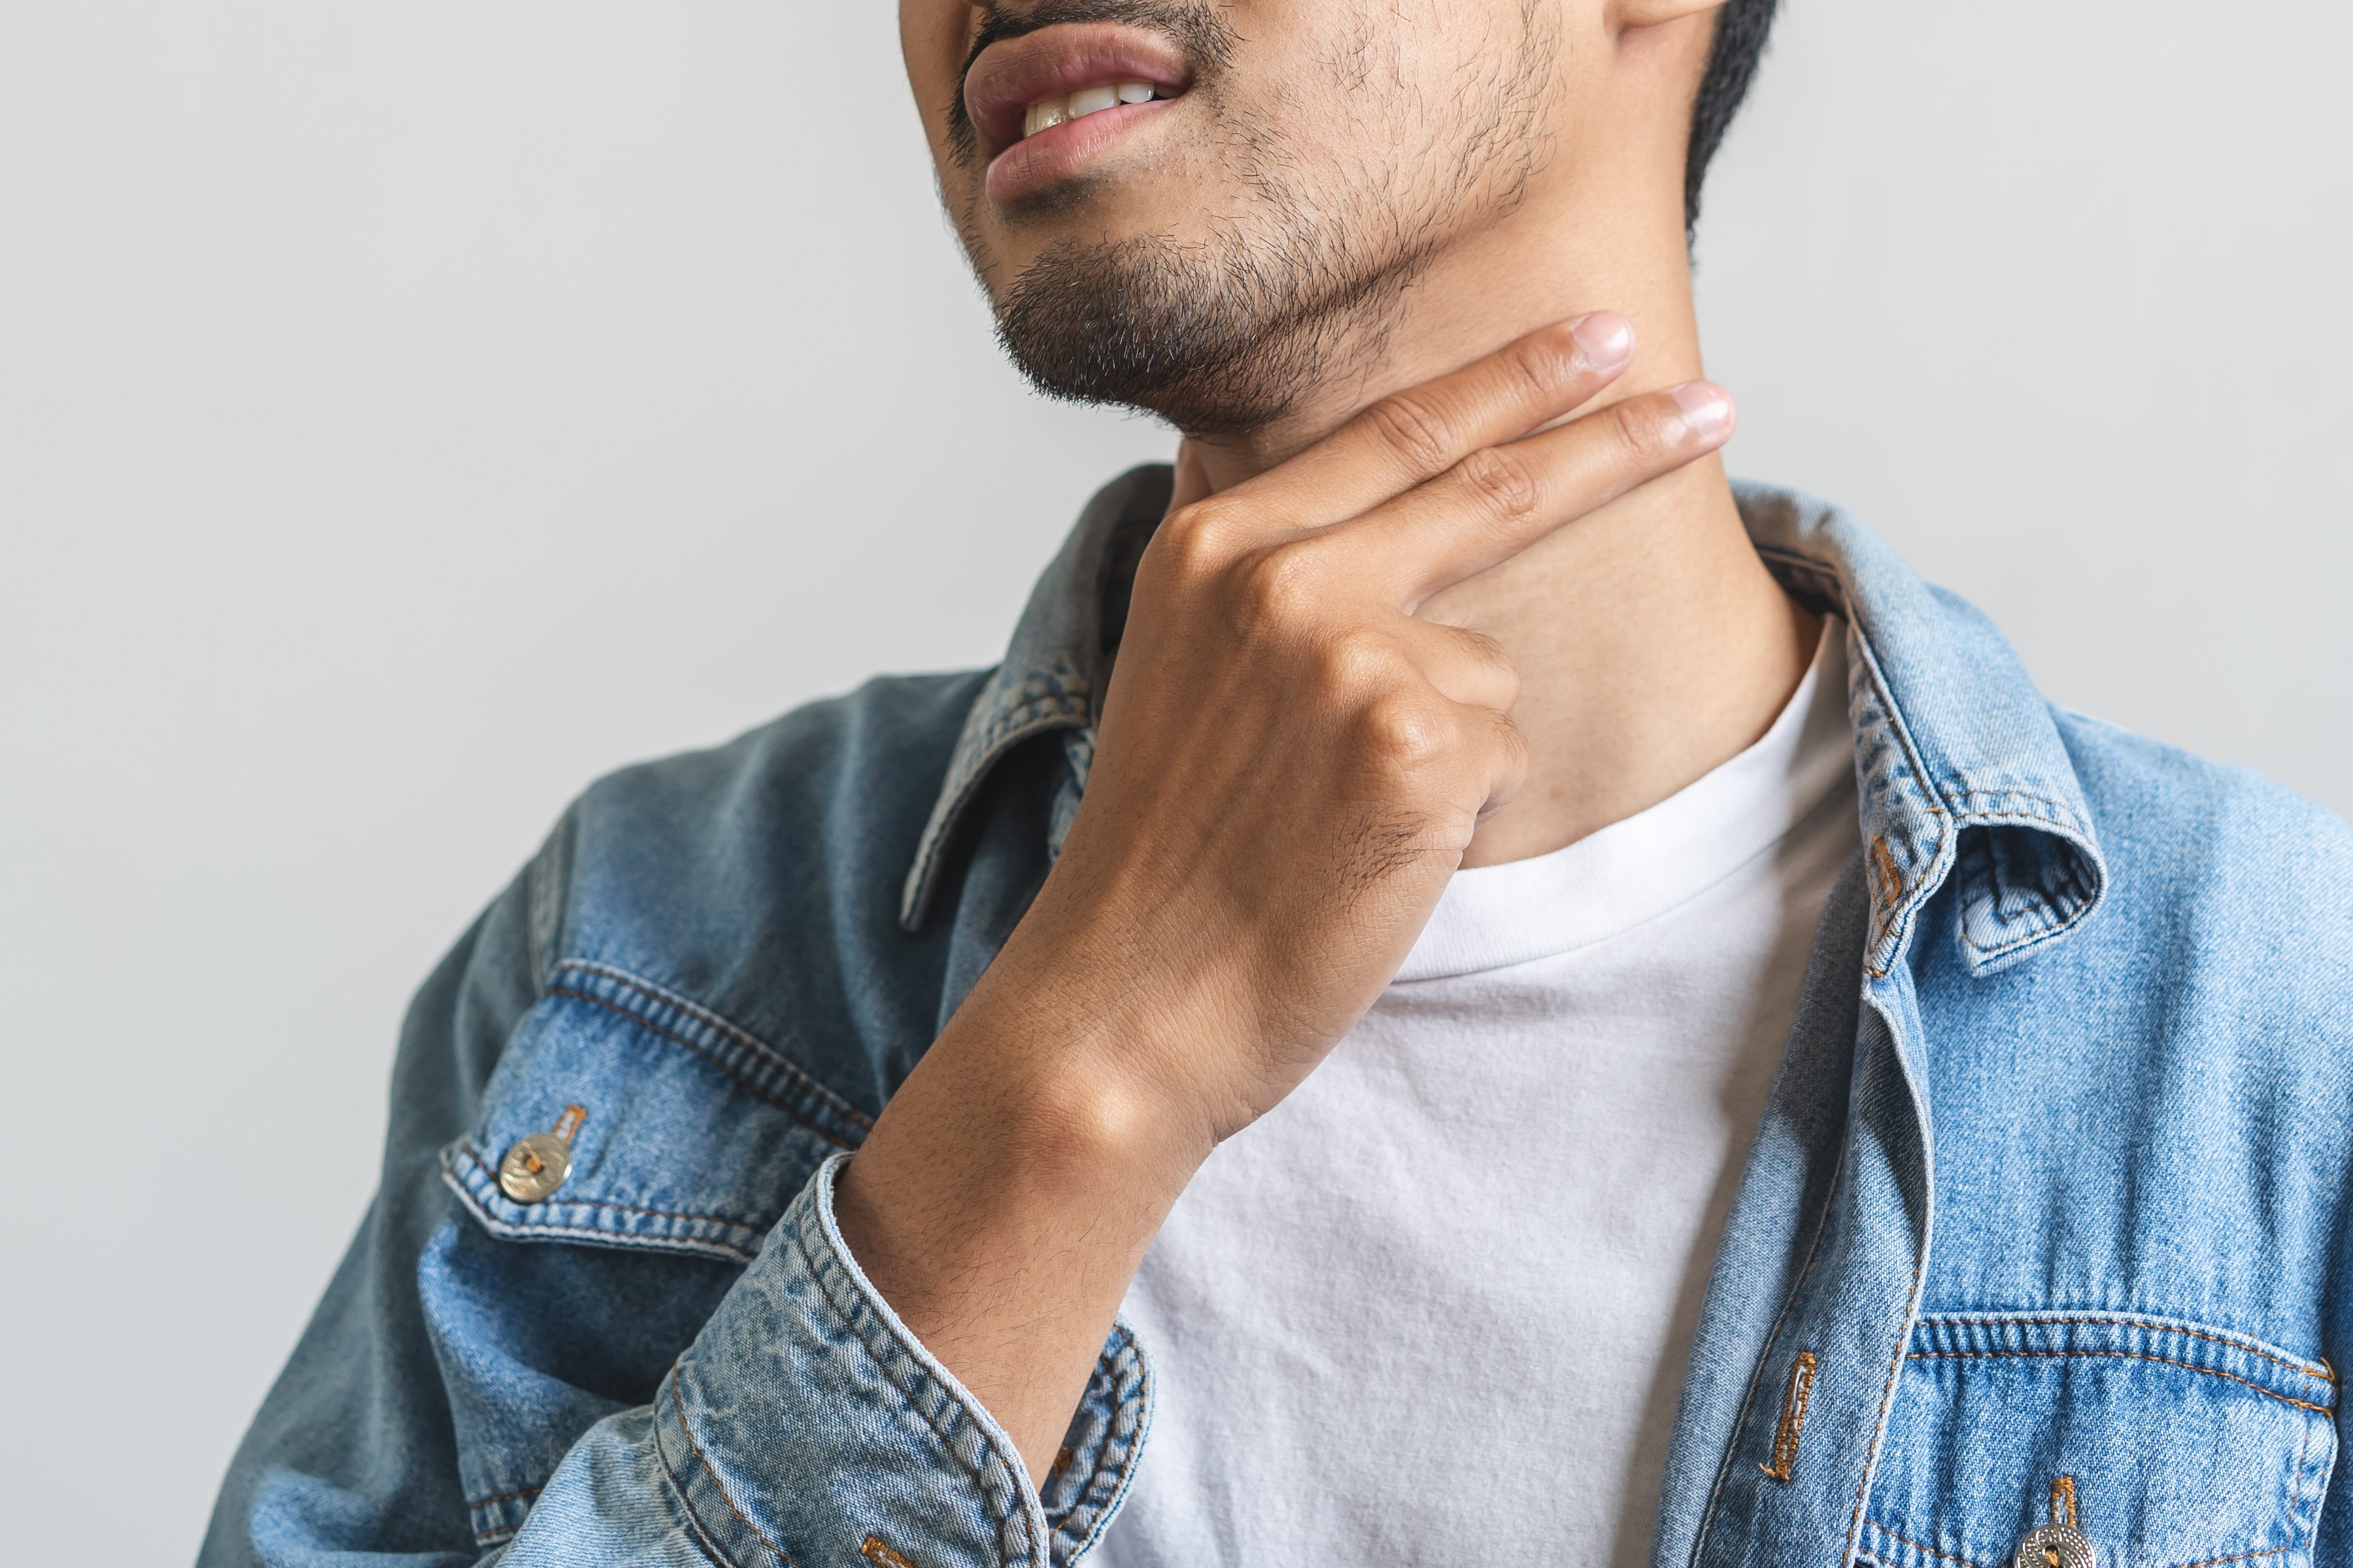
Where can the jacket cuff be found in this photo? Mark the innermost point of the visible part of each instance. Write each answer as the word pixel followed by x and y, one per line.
pixel 806 1427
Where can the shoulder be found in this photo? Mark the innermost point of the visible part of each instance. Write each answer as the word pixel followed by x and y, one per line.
pixel 2219 882
pixel 758 881
pixel 850 776
pixel 2192 827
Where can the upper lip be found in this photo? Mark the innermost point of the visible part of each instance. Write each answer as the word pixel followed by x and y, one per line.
pixel 1010 77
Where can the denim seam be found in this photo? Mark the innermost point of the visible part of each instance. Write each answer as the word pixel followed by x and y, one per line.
pixel 831 1282
pixel 631 1208
pixel 1918 1546
pixel 1911 1311
pixel 649 1024
pixel 506 1497
pixel 2128 1355
pixel 659 1214
pixel 2061 813
pixel 697 1530
pixel 560 1231
pixel 974 763
pixel 2127 1321
pixel 1887 1399
pixel 2240 1557
pixel 1899 917
pixel 734 1031
pixel 1764 1359
pixel 686 1430
pixel 1115 1466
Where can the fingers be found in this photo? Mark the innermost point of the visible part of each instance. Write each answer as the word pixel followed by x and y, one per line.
pixel 1414 435
pixel 1504 751
pixel 1463 665
pixel 1498 500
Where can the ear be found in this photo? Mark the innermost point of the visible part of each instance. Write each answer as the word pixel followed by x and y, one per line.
pixel 1651 13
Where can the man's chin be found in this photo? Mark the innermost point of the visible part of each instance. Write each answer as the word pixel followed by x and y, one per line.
pixel 1148 325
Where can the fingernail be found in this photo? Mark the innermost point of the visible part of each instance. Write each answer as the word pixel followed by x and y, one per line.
pixel 1606 338
pixel 1706 408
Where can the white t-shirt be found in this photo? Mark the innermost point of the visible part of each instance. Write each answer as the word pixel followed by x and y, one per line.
pixel 1436 1306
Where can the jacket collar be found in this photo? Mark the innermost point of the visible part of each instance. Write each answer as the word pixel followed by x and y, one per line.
pixel 1950 734
pixel 1053 673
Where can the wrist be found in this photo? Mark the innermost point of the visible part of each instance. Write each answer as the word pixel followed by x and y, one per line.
pixel 1085 1090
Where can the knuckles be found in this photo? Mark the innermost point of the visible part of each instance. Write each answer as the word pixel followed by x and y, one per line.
pixel 1404 733
pixel 1636 428
pixel 1198 541
pixel 1500 483
pixel 1548 365
pixel 1280 588
pixel 1413 425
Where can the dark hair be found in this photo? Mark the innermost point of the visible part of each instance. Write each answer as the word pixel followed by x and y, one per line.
pixel 1739 43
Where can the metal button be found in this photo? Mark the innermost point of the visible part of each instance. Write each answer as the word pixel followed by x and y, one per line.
pixel 2054 1546
pixel 537 1166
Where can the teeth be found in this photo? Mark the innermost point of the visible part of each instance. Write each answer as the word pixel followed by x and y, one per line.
pixel 1048 112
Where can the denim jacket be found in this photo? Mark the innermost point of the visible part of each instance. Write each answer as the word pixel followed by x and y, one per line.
pixel 2045 1227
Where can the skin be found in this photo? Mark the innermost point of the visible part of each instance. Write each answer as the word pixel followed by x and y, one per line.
pixel 1420 618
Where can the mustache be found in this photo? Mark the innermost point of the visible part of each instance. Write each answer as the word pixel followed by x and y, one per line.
pixel 1199 29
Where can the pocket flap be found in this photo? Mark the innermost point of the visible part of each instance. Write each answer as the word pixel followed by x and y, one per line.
pixel 635 1117
pixel 2167 1445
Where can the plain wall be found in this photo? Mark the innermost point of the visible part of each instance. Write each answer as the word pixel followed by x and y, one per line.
pixel 407 413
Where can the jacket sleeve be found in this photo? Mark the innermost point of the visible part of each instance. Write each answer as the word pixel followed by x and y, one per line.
pixel 802 1424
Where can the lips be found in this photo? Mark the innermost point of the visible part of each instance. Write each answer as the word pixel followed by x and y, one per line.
pixel 1066 65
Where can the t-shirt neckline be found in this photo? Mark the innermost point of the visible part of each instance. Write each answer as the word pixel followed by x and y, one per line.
pixel 1492 917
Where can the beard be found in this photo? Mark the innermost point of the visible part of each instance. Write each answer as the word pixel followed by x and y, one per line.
pixel 1218 338
pixel 1221 335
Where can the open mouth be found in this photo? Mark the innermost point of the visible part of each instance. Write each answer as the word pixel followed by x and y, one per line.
pixel 1049 112
pixel 1049 101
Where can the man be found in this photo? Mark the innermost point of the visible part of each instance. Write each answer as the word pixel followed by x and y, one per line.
pixel 1585 1014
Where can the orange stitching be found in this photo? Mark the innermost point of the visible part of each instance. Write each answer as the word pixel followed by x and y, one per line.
pixel 505 1497
pixel 1793 1417
pixel 2130 1356
pixel 466 1150
pixel 1884 864
pixel 567 1124
pixel 2062 1500
pixel 724 1025
pixel 1918 1547
pixel 645 1023
pixel 703 1537
pixel 1105 1479
pixel 2242 1557
pixel 686 1429
pixel 2326 1373
pixel 874 1550
pixel 1887 1399
pixel 826 1279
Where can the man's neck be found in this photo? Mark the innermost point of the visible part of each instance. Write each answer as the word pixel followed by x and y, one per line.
pixel 1651 643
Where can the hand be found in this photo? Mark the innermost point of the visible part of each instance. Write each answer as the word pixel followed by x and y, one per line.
pixel 1289 767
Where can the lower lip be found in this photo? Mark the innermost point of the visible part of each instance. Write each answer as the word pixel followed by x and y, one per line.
pixel 1060 152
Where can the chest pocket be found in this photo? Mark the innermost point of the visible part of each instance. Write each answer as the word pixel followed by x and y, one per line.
pixel 2164 1444
pixel 623 1114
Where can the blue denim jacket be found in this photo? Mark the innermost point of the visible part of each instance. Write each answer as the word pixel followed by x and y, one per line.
pixel 2045 1222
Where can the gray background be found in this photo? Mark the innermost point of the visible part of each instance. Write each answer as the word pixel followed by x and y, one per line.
pixel 407 413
